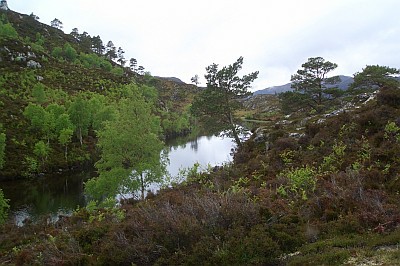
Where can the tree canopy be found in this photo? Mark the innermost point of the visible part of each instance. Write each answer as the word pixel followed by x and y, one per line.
pixel 130 150
pixel 216 105
pixel 313 81
pixel 372 77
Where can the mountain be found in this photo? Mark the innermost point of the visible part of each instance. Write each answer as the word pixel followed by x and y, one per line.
pixel 344 84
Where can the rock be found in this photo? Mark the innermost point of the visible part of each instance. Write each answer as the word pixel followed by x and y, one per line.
pixel 283 122
pixel 321 120
pixel 39 78
pixel 295 135
pixel 33 64
pixel 3 5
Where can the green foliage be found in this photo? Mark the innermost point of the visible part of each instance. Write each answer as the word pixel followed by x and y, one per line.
pixel 94 61
pixel 333 161
pixel 69 52
pixel 392 131
pixel 4 206
pixel 291 101
pixel 79 113
pixel 217 104
pixel 2 149
pixel 375 76
pixel 35 113
pixel 301 181
pixel 57 52
pixel 38 93
pixel 7 31
pixel 119 71
pixel 312 81
pixel 130 149
pixel 41 150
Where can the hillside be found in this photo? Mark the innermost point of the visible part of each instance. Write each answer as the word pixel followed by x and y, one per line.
pixel 35 57
pixel 310 186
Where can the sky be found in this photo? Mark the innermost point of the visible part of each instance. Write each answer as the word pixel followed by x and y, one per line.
pixel 180 38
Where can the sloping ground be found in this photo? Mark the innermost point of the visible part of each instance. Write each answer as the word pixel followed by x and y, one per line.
pixel 328 197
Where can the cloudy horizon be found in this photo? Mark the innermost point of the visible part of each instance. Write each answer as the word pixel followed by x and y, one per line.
pixel 180 39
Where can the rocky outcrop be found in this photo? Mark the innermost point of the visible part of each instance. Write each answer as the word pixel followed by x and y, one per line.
pixel 3 5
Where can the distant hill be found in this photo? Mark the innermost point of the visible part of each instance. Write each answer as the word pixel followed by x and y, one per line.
pixel 173 79
pixel 343 85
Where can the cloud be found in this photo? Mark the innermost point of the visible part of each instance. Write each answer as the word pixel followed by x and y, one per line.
pixel 180 38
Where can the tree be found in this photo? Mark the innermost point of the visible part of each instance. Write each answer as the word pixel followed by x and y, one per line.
pixel 85 42
pixel 79 114
pixel 217 104
pixel 7 31
pixel 69 52
pixel 97 45
pixel 111 53
pixel 312 80
pixel 65 138
pixel 56 23
pixel 38 93
pixel 75 33
pixel 372 77
pixel 133 64
pixel 121 59
pixel 2 149
pixel 34 16
pixel 130 150
pixel 41 150
pixel 195 80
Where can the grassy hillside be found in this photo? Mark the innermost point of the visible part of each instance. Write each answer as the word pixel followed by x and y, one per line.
pixel 32 54
pixel 308 188
pixel 327 197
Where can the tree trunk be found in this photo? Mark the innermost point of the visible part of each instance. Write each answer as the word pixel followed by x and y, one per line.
pixel 234 132
pixel 80 136
pixel 66 153
pixel 142 184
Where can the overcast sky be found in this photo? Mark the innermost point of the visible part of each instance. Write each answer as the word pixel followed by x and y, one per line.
pixel 179 38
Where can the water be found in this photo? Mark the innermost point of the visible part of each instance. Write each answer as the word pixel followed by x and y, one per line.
pixel 61 194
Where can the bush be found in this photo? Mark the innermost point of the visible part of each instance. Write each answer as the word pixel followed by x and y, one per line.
pixel 4 206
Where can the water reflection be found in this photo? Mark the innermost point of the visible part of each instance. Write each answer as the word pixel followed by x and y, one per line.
pixel 60 194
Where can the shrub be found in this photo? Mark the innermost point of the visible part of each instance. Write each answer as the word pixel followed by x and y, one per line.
pixel 4 206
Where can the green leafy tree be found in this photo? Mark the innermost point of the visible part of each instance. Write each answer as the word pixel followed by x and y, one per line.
pixel 35 114
pixel 372 77
pixel 313 81
pixel 69 52
pixel 130 150
pixel 57 52
pixel 7 31
pixel 2 149
pixel 38 93
pixel 64 138
pixel 4 206
pixel 79 114
pixel 41 150
pixel 100 111
pixel 216 105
